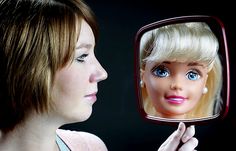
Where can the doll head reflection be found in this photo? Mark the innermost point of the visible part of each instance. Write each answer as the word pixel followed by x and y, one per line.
pixel 181 72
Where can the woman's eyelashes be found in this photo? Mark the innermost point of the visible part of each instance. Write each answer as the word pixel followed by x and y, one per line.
pixel 162 71
pixel 82 58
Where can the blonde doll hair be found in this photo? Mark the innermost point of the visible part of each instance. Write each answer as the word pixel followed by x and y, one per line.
pixel 185 42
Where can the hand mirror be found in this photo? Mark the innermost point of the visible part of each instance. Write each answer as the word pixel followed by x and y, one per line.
pixel 182 70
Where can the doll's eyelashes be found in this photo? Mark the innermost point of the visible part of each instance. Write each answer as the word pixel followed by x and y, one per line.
pixel 193 75
pixel 160 71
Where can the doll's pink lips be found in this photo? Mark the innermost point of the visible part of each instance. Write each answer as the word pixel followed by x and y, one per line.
pixel 175 99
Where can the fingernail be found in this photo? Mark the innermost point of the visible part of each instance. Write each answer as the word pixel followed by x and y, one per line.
pixel 185 138
pixel 180 127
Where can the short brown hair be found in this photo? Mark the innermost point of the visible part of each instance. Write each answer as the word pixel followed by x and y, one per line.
pixel 37 37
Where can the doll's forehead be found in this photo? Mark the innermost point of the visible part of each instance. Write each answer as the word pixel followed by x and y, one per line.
pixel 186 63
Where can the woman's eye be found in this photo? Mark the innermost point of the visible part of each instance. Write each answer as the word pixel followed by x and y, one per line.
pixel 161 71
pixel 81 58
pixel 193 75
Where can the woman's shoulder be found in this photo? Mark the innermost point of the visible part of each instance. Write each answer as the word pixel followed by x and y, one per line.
pixel 77 140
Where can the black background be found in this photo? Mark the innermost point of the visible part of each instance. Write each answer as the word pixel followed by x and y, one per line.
pixel 116 119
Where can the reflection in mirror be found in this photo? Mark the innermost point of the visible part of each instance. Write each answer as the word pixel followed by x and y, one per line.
pixel 181 72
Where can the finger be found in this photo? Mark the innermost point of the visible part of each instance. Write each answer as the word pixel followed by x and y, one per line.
pixel 173 140
pixel 191 144
pixel 189 133
pixel 180 131
pixel 177 134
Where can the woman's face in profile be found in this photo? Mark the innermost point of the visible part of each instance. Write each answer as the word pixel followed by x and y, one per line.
pixel 75 86
pixel 174 87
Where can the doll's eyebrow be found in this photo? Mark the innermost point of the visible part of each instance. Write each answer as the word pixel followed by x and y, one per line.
pixel 189 64
pixel 166 62
pixel 195 64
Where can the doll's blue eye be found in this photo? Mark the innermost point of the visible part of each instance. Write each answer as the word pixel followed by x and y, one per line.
pixel 193 75
pixel 161 71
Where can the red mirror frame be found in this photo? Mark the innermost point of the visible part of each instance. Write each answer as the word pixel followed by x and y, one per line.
pixel 221 35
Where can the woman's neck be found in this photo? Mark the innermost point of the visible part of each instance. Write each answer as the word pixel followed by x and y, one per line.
pixel 37 133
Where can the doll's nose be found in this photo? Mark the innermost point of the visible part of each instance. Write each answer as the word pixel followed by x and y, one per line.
pixel 176 84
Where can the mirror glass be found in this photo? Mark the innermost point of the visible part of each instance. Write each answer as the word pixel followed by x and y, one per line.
pixel 182 70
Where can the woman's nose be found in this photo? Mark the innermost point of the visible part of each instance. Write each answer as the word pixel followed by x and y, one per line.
pixel 99 74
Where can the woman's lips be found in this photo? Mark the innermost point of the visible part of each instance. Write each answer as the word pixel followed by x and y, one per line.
pixel 92 97
pixel 175 99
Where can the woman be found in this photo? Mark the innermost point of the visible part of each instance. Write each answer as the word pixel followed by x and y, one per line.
pixel 49 75
pixel 181 71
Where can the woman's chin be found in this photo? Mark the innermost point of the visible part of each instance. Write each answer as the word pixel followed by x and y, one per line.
pixel 81 116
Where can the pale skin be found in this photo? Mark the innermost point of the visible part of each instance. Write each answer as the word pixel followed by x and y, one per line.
pixel 181 135
pixel 74 92
pixel 174 87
